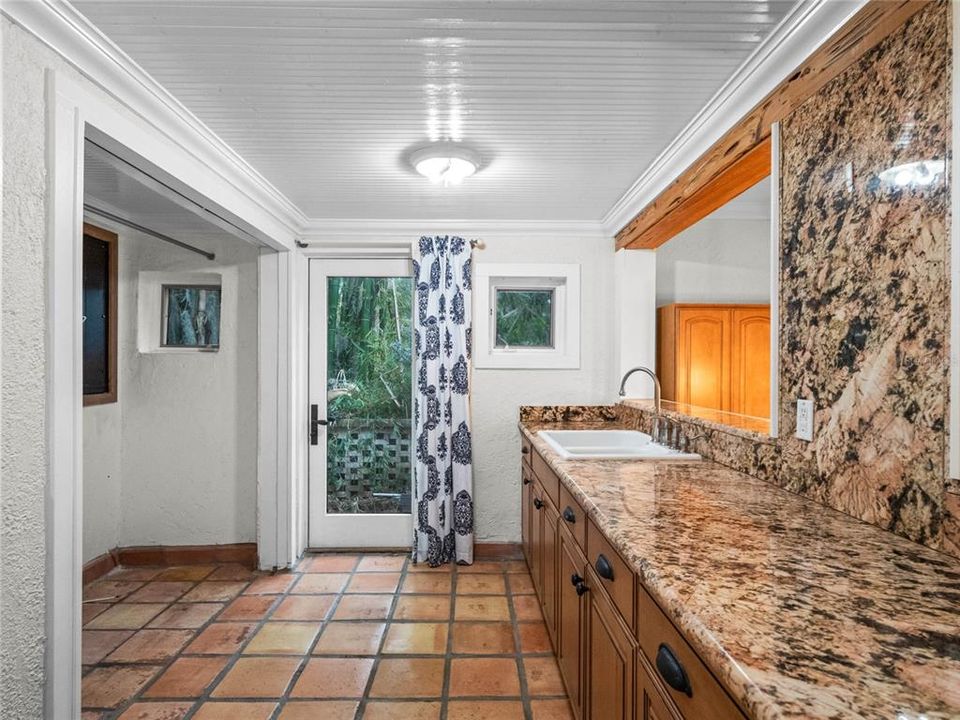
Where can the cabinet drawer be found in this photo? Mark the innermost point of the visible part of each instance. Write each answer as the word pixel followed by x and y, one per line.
pixel 615 575
pixel 526 449
pixel 651 703
pixel 689 683
pixel 551 483
pixel 573 517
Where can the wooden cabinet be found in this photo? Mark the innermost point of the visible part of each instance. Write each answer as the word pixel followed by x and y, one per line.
pixel 536 537
pixel 607 631
pixel 750 361
pixel 651 704
pixel 609 658
pixel 715 356
pixel 571 601
pixel 526 507
pixel 548 596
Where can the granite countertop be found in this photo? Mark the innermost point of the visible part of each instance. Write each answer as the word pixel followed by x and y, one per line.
pixel 801 611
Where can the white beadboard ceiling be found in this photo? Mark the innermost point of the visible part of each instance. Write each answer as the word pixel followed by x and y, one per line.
pixel 567 101
pixel 124 193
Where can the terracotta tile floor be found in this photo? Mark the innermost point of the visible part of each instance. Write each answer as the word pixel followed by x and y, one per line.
pixel 343 637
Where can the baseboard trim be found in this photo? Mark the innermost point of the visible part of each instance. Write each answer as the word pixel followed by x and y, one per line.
pixel 98 567
pixel 167 555
pixel 481 551
pixel 498 551
pixel 242 553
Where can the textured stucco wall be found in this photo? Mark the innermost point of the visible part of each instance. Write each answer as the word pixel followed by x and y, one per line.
pixel 22 432
pixel 101 479
pixel 498 394
pixel 716 260
pixel 189 450
pixel 174 461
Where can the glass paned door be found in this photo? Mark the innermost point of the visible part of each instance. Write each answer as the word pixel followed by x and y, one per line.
pixel 361 408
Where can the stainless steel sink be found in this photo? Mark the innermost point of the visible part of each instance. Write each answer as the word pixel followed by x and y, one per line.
pixel 610 445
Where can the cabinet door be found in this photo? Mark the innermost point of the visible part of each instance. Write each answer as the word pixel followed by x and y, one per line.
pixel 538 506
pixel 703 357
pixel 750 361
pixel 551 519
pixel 609 662
pixel 526 506
pixel 570 607
pixel 650 703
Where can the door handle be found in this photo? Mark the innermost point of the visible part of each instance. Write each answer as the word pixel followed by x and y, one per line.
pixel 315 423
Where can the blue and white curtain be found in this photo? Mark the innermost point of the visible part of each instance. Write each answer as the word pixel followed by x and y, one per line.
pixel 444 462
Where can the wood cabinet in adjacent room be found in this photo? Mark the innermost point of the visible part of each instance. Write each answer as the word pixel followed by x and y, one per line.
pixel 715 356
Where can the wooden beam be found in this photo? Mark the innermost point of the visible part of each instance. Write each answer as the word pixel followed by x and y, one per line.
pixel 745 172
pixel 700 184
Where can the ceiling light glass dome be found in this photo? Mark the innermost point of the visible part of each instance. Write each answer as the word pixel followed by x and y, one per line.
pixel 445 163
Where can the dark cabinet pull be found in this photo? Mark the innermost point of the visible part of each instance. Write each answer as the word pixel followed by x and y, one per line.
pixel 672 671
pixel 569 515
pixel 537 503
pixel 525 450
pixel 578 582
pixel 526 480
pixel 604 568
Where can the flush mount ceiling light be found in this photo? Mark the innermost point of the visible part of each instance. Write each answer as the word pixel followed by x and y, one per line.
pixel 445 163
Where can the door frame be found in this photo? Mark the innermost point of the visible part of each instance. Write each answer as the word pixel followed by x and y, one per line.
pixel 399 523
pixel 72 110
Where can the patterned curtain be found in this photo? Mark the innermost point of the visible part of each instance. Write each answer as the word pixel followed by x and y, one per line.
pixel 444 469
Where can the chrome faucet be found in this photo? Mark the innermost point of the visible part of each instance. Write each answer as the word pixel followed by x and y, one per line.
pixel 656 385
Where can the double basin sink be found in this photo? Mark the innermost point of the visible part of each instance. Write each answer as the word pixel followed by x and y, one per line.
pixel 610 445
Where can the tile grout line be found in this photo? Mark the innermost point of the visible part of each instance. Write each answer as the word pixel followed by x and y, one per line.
pixel 324 624
pixel 365 697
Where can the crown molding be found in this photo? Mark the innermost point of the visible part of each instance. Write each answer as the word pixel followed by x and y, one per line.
pixel 340 230
pixel 807 26
pixel 59 26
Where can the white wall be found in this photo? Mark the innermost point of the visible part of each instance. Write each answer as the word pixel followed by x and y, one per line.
pixel 174 461
pixel 635 318
pixel 101 479
pixel 190 420
pixel 23 440
pixel 498 394
pixel 25 444
pixel 716 260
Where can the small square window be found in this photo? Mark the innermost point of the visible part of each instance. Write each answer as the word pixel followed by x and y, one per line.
pixel 527 316
pixel 524 318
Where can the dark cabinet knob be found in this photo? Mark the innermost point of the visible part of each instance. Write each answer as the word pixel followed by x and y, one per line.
pixel 524 450
pixel 569 515
pixel 604 568
pixel 575 579
pixel 582 588
pixel 526 480
pixel 672 671
pixel 537 503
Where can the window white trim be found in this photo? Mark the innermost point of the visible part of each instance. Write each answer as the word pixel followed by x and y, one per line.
pixel 564 279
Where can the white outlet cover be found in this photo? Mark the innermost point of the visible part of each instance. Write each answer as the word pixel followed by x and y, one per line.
pixel 805 420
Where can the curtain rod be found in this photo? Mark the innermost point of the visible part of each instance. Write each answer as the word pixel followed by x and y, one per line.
pixel 147 231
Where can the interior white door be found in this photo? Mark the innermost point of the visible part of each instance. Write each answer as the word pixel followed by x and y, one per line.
pixel 361 403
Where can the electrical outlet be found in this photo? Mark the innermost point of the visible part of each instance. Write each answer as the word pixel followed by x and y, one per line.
pixel 805 420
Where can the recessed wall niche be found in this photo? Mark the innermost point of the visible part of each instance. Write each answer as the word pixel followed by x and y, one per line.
pixel 179 312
